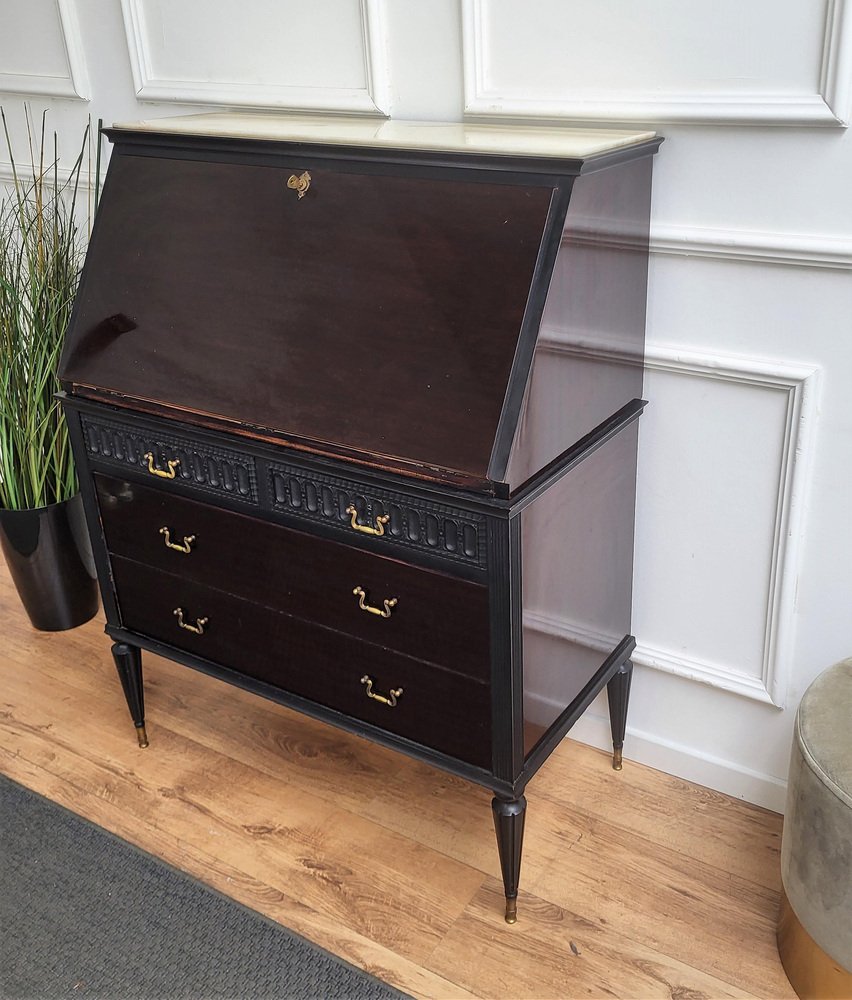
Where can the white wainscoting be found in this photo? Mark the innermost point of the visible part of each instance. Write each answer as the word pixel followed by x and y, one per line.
pixel 45 52
pixel 761 675
pixel 730 776
pixel 260 55
pixel 811 250
pixel 660 61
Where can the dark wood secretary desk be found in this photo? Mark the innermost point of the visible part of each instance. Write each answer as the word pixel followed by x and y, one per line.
pixel 327 453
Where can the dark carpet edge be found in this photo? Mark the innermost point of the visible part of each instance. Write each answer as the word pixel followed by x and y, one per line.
pixel 178 873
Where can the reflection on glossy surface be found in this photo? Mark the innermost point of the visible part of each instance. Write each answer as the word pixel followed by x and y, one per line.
pixel 576 595
pixel 590 352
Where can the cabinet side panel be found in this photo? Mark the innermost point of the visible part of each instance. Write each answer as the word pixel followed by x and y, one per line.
pixel 589 356
pixel 577 543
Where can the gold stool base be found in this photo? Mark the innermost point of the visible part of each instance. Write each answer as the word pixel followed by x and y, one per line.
pixel 812 974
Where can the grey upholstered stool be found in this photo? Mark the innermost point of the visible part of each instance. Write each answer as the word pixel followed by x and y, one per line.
pixel 815 924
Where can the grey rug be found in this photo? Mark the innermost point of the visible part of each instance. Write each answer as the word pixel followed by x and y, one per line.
pixel 85 914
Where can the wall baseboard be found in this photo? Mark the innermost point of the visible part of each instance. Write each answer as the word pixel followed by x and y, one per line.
pixel 684 762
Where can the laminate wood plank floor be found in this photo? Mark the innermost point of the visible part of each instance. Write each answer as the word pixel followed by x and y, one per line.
pixel 634 884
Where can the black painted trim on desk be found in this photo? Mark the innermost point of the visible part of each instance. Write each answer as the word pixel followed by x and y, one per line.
pixel 533 487
pixel 513 401
pixel 92 512
pixel 306 707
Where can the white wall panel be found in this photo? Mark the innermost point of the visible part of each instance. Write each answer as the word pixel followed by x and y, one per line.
pixel 41 49
pixel 325 56
pixel 659 60
pixel 723 464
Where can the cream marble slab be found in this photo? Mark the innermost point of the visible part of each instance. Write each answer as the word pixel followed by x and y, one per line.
pixel 441 136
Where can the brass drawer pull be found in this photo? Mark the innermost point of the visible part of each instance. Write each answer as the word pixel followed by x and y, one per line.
pixel 381 521
pixel 199 626
pixel 300 183
pixel 391 698
pixel 389 604
pixel 185 548
pixel 172 463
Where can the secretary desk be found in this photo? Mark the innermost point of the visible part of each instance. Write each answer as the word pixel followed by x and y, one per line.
pixel 351 401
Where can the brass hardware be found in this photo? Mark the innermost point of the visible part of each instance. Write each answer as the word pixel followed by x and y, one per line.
pixel 185 548
pixel 381 521
pixel 142 736
pixel 391 698
pixel 197 628
pixel 171 463
pixel 389 604
pixel 616 759
pixel 512 910
pixel 300 183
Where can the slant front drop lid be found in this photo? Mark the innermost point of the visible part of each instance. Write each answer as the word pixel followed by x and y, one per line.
pixel 377 314
pixel 353 405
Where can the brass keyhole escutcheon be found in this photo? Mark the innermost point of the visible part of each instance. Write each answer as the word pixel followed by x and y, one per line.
pixel 300 183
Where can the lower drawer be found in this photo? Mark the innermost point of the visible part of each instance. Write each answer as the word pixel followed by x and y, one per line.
pixel 420 701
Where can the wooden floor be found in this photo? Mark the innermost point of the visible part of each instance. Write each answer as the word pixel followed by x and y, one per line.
pixel 634 885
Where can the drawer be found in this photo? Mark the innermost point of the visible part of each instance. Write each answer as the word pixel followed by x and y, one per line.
pixel 416 611
pixel 393 520
pixel 434 707
pixel 209 469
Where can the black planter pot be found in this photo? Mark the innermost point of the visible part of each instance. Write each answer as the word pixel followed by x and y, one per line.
pixel 50 559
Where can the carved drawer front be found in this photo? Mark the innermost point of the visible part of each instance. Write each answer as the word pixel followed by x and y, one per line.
pixel 390 519
pixel 171 458
pixel 381 600
pixel 401 695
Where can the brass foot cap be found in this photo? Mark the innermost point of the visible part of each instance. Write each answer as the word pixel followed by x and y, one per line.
pixel 142 736
pixel 511 911
pixel 616 760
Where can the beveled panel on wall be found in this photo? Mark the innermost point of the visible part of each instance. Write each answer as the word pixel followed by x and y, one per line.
pixel 659 60
pixel 723 458
pixel 327 57
pixel 41 53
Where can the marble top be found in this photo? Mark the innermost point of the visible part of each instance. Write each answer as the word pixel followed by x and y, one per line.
pixel 507 140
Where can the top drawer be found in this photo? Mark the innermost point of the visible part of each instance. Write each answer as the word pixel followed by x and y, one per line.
pixel 166 455
pixel 387 520
pixel 390 518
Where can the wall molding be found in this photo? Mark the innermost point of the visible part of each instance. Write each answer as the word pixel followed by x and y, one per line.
pixel 796 249
pixel 63 175
pixel 702 671
pixel 829 105
pixel 798 384
pixel 754 247
pixel 682 761
pixel 373 99
pixel 74 84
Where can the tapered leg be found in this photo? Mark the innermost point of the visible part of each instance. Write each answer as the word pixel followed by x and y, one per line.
pixel 128 662
pixel 509 826
pixel 618 694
